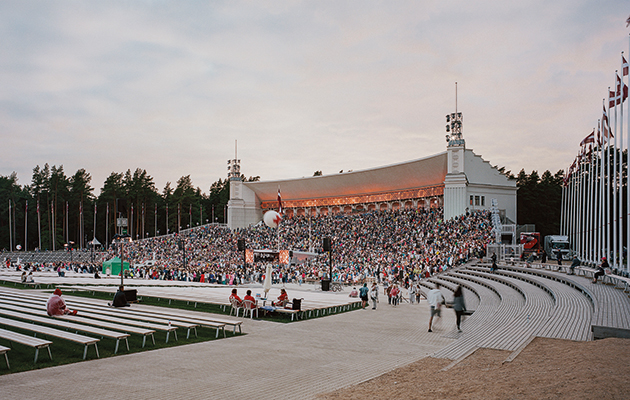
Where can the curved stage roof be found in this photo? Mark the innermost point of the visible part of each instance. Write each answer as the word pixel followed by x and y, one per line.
pixel 412 179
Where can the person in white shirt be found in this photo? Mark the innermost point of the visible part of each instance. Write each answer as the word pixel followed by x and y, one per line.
pixel 435 300
pixel 412 293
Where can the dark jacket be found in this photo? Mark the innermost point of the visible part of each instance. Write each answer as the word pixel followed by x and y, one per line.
pixel 120 300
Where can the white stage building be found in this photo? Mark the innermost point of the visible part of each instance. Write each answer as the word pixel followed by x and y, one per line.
pixel 456 179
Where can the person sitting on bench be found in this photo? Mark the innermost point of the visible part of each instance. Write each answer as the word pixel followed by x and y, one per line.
pixel 601 269
pixel 283 299
pixel 56 305
pixel 120 299
pixel 574 263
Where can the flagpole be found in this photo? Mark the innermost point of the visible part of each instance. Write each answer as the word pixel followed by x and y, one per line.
pixel 10 229
pixel 52 213
pixel 39 227
pixel 582 215
pixel 627 178
pixel 95 210
pixel 607 191
pixel 67 230
pixel 562 205
pixel 614 183
pixel 577 207
pixel 621 214
pixel 107 227
pixel 592 189
pixel 26 227
pixel 600 199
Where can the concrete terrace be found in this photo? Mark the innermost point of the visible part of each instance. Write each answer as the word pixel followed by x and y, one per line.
pixel 272 361
pixel 302 359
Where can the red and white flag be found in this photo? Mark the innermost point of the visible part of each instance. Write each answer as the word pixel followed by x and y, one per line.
pixel 624 66
pixel 616 98
pixel 590 138
pixel 606 133
pixel 279 202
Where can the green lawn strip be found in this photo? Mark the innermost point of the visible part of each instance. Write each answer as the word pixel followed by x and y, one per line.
pixel 67 352
pixel 19 285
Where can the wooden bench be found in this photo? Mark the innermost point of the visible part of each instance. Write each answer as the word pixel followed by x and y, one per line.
pixel 107 316
pixel 131 314
pixel 195 316
pixel 45 330
pixel 590 273
pixel 287 311
pixel 41 317
pixel 30 341
pixel 79 303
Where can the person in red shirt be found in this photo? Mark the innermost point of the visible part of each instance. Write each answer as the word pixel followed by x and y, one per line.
pixel 249 297
pixel 239 302
pixel 283 299
pixel 56 305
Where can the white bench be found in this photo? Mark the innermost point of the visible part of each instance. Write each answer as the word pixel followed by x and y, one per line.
pixel 30 341
pixel 44 330
pixel 42 317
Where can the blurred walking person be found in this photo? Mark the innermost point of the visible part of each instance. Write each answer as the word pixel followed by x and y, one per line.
pixel 459 306
pixel 435 300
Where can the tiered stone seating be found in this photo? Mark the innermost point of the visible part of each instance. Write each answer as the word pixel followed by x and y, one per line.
pixel 517 304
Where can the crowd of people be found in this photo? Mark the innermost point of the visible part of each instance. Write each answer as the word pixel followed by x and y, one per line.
pixel 382 246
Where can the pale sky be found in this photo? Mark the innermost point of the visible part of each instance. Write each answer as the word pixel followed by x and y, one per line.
pixel 169 86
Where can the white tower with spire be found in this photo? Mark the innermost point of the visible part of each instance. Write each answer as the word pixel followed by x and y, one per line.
pixel 242 207
pixel 456 182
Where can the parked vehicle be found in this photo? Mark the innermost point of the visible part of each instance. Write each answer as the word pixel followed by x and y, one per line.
pixel 557 243
pixel 531 243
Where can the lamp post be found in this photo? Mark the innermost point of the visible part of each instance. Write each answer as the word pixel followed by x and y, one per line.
pixel 120 239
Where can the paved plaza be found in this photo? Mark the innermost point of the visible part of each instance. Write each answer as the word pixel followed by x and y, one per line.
pixel 272 361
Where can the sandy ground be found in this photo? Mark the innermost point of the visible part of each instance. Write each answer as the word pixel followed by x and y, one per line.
pixel 545 369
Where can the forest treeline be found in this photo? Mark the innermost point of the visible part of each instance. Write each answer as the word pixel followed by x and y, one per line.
pixel 66 206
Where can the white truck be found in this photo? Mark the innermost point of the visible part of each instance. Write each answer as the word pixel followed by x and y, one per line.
pixel 556 243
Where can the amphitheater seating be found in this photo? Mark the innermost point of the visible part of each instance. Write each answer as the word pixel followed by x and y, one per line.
pixel 518 303
pixel 50 256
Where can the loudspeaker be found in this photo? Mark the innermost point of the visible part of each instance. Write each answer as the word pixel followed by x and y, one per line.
pixel 327 244
pixel 241 244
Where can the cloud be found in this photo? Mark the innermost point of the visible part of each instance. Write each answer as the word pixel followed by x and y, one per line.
pixel 303 86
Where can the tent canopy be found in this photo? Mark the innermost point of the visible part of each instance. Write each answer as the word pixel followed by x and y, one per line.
pixel 114 266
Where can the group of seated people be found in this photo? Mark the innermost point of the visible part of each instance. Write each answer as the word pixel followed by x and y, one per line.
pixel 281 301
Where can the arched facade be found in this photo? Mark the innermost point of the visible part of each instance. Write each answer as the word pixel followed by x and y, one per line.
pixel 456 179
